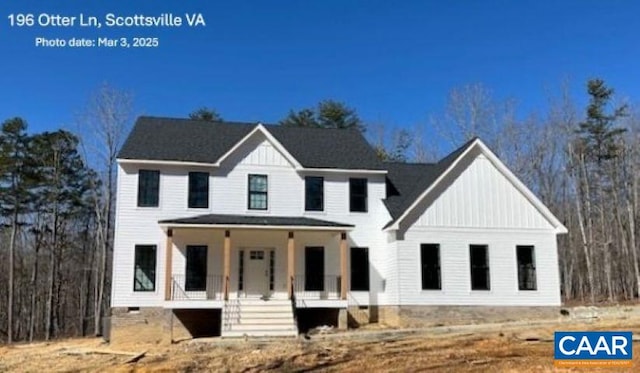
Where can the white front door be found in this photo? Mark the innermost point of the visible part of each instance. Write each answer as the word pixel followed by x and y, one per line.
pixel 256 273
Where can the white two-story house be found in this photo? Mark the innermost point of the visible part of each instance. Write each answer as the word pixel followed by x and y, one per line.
pixel 240 229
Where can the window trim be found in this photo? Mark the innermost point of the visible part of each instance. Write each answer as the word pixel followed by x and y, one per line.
pixel 155 267
pixel 138 199
pixel 365 195
pixel 250 192
pixel 438 266
pixel 486 267
pixel 189 190
pixel 533 263
pixel 306 194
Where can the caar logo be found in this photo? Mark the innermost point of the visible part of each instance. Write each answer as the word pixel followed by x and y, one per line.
pixel 579 349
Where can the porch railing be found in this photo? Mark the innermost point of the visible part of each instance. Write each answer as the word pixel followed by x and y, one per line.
pixel 325 287
pixel 208 288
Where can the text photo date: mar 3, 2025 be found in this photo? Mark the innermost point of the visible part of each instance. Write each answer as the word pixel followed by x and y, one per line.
pixel 108 20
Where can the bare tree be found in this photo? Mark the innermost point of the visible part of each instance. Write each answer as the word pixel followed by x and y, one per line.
pixel 106 121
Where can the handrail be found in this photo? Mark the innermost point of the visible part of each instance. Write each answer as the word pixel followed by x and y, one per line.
pixel 185 288
pixel 325 287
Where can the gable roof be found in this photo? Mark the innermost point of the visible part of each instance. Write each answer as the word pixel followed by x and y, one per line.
pixel 411 179
pixel 185 140
pixel 434 173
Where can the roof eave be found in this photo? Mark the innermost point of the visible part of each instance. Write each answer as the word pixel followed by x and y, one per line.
pixel 168 225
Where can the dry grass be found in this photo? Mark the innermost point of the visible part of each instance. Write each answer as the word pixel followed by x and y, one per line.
pixel 482 348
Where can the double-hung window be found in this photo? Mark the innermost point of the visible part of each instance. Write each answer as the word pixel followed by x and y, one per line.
pixel 357 195
pixel 480 277
pixel 148 188
pixel 258 192
pixel 314 193
pixel 199 190
pixel 526 267
pixel 430 262
pixel 144 271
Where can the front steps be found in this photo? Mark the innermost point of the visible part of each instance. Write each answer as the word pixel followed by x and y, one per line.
pixel 258 318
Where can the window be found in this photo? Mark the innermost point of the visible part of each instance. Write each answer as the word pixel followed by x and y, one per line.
pixel 358 195
pixel 526 268
pixel 430 261
pixel 144 275
pixel 314 268
pixel 196 268
pixel 258 192
pixel 314 193
pixel 199 190
pixel 359 269
pixel 148 188
pixel 480 279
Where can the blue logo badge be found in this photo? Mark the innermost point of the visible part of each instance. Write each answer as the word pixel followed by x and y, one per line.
pixel 579 349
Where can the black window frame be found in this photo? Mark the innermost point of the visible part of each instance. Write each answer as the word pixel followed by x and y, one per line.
pixel 355 195
pixel 251 192
pixel 198 190
pixel 313 202
pixel 148 188
pixel 196 270
pixel 360 280
pixel 148 269
pixel 431 273
pixel 480 273
pixel 314 268
pixel 527 273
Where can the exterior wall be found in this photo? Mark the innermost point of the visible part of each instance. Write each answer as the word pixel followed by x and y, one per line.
pixel 477 205
pixel 480 196
pixel 228 195
pixel 148 325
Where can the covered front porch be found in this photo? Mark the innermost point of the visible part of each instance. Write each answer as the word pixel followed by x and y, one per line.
pixel 212 259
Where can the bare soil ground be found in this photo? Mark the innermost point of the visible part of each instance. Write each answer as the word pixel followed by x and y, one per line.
pixel 508 347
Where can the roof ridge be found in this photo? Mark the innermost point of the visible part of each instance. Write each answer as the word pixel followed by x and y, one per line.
pixel 199 121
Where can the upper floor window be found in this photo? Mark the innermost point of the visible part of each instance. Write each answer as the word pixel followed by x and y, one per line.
pixel 357 195
pixel 258 192
pixel 314 193
pixel 526 268
pixel 148 188
pixel 144 276
pixel 199 190
pixel 480 278
pixel 430 261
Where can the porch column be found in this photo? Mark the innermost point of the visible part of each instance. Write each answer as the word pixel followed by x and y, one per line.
pixel 343 265
pixel 168 265
pixel 227 262
pixel 291 263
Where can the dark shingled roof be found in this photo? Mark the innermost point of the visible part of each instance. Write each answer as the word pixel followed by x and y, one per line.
pixel 218 219
pixel 171 139
pixel 408 180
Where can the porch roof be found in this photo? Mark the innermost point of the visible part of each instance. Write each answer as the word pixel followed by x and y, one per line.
pixel 248 221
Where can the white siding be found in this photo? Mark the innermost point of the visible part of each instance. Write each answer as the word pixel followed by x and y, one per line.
pixel 228 195
pixel 455 267
pixel 477 205
pixel 482 197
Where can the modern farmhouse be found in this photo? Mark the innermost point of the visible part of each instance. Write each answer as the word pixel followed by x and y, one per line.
pixel 239 229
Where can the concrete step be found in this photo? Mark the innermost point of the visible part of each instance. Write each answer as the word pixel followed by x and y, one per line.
pixel 263 321
pixel 260 316
pixel 266 327
pixel 260 301
pixel 259 310
pixel 259 333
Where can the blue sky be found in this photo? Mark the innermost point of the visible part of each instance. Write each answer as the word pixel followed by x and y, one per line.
pixel 395 62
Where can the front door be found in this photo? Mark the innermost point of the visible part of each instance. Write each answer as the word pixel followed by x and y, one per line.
pixel 256 273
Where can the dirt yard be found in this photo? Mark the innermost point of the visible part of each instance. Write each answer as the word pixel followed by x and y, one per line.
pixel 508 347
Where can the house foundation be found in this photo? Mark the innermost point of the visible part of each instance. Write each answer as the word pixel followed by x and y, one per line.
pixel 425 316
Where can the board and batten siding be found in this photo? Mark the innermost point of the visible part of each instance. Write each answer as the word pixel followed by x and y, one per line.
pixel 477 204
pixel 228 195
